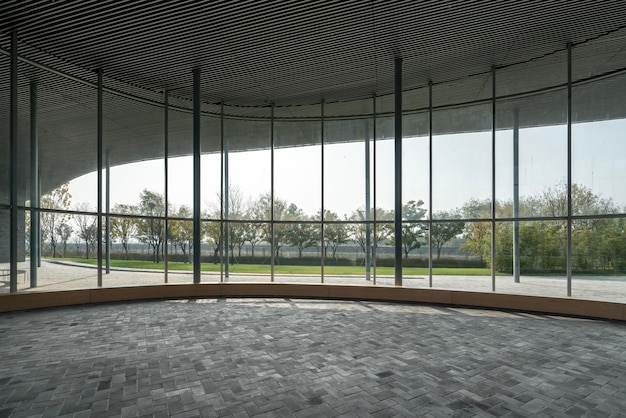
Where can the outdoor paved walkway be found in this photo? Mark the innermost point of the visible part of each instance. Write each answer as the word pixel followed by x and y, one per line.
pixel 307 358
pixel 65 276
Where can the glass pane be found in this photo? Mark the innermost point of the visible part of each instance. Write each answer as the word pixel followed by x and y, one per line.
pixel 462 256
pixel 541 125
pixel 383 259
pixel 542 258
pixel 298 252
pixel 212 251
pixel 384 194
pixel 211 180
pixel 4 142
pixel 461 157
pixel 249 254
pixel 415 167
pixel 599 259
pixel 247 165
pixel 4 250
pixel 598 157
pixel 298 165
pixel 346 248
pixel 133 151
pixel 414 254
pixel 180 161
pixel 344 166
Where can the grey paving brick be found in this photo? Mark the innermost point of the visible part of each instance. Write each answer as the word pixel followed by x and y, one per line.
pixel 306 358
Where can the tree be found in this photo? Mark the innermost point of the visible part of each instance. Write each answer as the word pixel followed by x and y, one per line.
pixel 150 229
pixel 123 229
pixel 261 210
pixel 335 234
pixel 181 231
pixel 443 232
pixel 85 225
pixel 381 232
pixel 300 235
pixel 413 234
pixel 64 232
pixel 57 199
pixel 212 233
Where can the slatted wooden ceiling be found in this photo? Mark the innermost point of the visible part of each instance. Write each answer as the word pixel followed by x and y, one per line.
pixel 291 52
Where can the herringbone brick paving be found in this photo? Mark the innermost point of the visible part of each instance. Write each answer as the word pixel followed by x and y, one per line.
pixel 307 358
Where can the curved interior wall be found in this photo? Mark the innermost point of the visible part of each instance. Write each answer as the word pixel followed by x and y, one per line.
pixel 564 202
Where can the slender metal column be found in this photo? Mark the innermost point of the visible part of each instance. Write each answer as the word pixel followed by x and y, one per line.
pixel 34 186
pixel 398 171
pixel 375 241
pixel 272 190
pixel 226 200
pixel 322 258
pixel 39 222
pixel 99 186
pixel 221 239
pixel 516 249
pixel 166 153
pixel 430 183
pixel 107 219
pixel 570 252
pixel 493 179
pixel 196 177
pixel 368 227
pixel 13 166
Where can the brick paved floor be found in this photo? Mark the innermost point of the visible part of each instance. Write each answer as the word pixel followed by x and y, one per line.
pixel 292 357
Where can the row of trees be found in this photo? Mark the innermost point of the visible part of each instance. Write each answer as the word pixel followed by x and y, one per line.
pixel 598 243
pixel 248 226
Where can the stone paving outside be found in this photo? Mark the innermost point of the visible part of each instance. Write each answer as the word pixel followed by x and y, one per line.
pixel 65 276
pixel 283 357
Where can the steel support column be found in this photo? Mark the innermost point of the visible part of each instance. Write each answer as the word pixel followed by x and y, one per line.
pixel 99 186
pixel 375 241
pixel 430 183
pixel 196 177
pixel 34 186
pixel 493 179
pixel 368 231
pixel 226 202
pixel 166 153
pixel 570 252
pixel 322 258
pixel 221 239
pixel 272 190
pixel 13 167
pixel 516 249
pixel 107 218
pixel 398 171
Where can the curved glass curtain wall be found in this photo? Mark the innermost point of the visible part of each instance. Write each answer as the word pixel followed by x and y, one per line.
pixel 305 194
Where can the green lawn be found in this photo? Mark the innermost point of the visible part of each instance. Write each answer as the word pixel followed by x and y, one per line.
pixel 288 269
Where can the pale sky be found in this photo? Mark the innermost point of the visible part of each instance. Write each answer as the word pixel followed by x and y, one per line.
pixel 461 167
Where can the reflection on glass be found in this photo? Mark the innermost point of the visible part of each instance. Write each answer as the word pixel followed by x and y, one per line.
pixel 298 165
pixel 599 259
pixel 542 258
pixel 533 132
pixel 415 169
pixel 247 166
pixel 598 157
pixel 344 166
pixel 461 161
pixel 462 255
pixel 414 253
pixel 180 161
pixel 129 152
